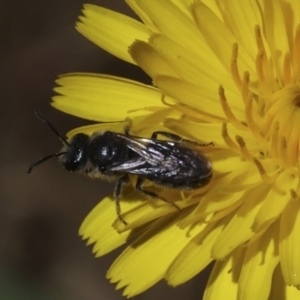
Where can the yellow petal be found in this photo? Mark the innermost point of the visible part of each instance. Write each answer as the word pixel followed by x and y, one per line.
pixel 182 5
pixel 206 132
pixel 103 98
pixel 239 229
pixel 224 165
pixel 242 24
pixel 223 280
pixel 277 199
pixel 260 260
pixel 214 6
pixel 202 98
pixel 289 245
pixel 293 148
pixel 220 39
pixel 215 201
pixel 149 209
pixel 188 65
pixel 196 255
pixel 242 177
pixel 164 14
pixel 292 293
pixel 153 252
pixel 160 17
pixel 280 290
pixel 142 15
pixel 149 60
pixel 110 30
pixel 191 94
pixel 97 228
pixel 278 36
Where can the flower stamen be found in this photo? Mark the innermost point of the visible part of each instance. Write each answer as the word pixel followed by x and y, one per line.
pixel 244 150
pixel 234 67
pixel 283 151
pixel 294 195
pixel 227 139
pixel 261 62
pixel 287 70
pixel 274 140
pixel 245 86
pixel 227 111
pixel 296 54
pixel 250 120
pixel 259 66
pixel 266 178
pixel 258 38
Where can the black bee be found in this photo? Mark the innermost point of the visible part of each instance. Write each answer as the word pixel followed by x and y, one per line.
pixel 173 163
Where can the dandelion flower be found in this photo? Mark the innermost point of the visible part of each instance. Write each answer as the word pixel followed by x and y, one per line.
pixel 229 73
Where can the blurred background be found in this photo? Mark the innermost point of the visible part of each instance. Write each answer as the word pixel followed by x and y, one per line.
pixel 41 254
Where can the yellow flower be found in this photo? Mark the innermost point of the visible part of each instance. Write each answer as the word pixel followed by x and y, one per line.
pixel 229 73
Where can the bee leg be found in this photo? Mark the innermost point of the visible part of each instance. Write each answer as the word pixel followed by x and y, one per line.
pixel 118 190
pixel 150 194
pixel 177 138
pixel 128 125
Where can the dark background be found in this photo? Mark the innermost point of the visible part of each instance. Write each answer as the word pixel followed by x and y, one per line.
pixel 41 255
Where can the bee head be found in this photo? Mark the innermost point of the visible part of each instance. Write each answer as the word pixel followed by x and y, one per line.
pixel 73 155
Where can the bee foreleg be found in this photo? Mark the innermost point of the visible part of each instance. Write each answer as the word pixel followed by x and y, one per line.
pixel 150 194
pixel 118 190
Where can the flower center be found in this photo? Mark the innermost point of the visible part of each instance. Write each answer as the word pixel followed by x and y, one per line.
pixel 280 122
pixel 272 115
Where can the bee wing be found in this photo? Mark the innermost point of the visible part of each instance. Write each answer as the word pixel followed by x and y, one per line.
pixel 128 165
pixel 141 147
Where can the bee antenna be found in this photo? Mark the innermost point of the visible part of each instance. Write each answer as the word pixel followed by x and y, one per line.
pixel 43 159
pixel 42 118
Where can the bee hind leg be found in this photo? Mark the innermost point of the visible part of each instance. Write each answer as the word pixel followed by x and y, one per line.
pixel 118 190
pixel 150 194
